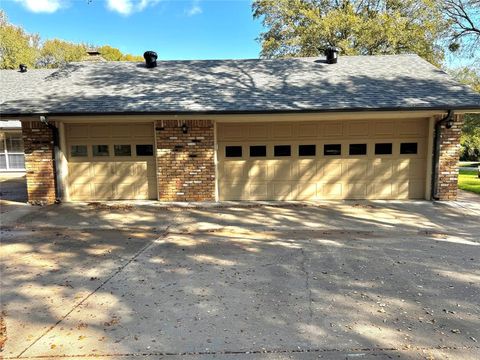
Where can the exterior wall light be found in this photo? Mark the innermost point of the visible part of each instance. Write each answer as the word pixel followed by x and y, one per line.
pixel 184 128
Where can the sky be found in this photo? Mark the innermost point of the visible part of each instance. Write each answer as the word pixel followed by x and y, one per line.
pixel 175 29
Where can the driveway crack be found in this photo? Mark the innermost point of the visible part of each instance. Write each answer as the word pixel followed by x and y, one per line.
pixel 107 280
pixel 308 290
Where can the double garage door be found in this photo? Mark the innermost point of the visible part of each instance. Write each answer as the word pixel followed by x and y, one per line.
pixel 371 159
pixel 111 161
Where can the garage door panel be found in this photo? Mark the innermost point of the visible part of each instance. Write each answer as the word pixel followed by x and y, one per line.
pixel 314 175
pixel 283 190
pixel 382 190
pixel 258 170
pixel 383 168
pixel 284 170
pixel 103 190
pixel 103 169
pixel 234 170
pixel 81 191
pixel 306 170
pixel 258 191
pixel 332 169
pixel 307 191
pixel 357 169
pixel 332 191
pixel 356 191
pixel 80 170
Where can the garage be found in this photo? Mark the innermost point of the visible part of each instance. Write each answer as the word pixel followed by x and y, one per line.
pixel 111 161
pixel 323 160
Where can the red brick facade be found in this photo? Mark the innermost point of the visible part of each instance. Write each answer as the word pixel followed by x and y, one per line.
pixel 39 162
pixel 448 164
pixel 185 161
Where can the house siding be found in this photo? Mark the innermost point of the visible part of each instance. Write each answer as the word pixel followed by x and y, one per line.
pixel 39 162
pixel 185 162
pixel 449 156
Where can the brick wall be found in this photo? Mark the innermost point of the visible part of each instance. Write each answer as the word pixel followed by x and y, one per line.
pixel 185 162
pixel 39 162
pixel 449 156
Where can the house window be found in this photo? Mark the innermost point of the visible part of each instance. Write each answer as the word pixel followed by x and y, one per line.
pixel 100 150
pixel 11 151
pixel 122 150
pixel 233 151
pixel 144 150
pixel 78 150
pixel 408 148
pixel 258 151
pixel 383 149
pixel 358 149
pixel 307 150
pixel 332 149
pixel 282 150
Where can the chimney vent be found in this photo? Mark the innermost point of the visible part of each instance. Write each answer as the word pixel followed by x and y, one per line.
pixel 332 54
pixel 22 68
pixel 150 59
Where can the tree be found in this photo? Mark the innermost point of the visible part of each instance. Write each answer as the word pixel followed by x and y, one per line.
pixel 464 19
pixel 55 53
pixel 16 46
pixel 357 27
pixel 113 54
pixel 470 138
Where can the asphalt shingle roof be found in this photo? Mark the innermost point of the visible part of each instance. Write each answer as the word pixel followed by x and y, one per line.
pixel 298 84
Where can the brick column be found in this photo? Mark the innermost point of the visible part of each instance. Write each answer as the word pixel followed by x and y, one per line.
pixel 39 162
pixel 449 157
pixel 185 162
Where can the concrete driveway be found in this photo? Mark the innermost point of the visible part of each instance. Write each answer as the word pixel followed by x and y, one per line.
pixel 336 280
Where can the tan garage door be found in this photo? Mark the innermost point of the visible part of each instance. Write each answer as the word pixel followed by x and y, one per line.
pixel 111 162
pixel 371 159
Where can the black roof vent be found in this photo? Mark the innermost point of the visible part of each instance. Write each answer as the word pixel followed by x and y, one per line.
pixel 150 59
pixel 22 68
pixel 332 54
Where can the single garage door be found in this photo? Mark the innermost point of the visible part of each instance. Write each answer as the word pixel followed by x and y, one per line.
pixel 358 159
pixel 111 161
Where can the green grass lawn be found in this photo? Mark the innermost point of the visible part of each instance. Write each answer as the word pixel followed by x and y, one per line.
pixel 469 181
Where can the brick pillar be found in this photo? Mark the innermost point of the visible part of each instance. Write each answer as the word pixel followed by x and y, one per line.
pixel 449 156
pixel 39 162
pixel 185 162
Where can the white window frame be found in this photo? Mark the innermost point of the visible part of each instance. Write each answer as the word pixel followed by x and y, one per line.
pixel 7 153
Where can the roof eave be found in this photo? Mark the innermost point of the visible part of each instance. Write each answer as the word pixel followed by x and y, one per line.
pixel 462 109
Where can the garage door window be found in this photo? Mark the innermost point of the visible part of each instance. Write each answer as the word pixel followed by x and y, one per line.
pixel 144 150
pixel 258 151
pixel 408 148
pixel 358 149
pixel 383 149
pixel 332 149
pixel 307 150
pixel 78 150
pixel 122 150
pixel 100 150
pixel 282 150
pixel 233 151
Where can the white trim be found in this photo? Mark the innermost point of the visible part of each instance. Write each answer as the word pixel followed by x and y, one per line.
pixel 430 145
pixel 215 159
pixel 63 163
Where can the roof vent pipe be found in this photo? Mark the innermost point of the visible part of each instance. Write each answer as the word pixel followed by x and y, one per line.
pixel 331 53
pixel 150 59
pixel 22 68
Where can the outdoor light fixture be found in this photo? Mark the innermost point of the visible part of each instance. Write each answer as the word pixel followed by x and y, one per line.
pixel 449 124
pixel 184 128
